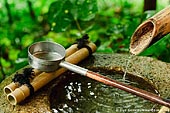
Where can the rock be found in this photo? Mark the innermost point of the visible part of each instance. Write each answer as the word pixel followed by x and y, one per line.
pixel 153 71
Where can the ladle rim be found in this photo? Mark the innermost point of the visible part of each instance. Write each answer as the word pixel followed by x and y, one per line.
pixel 47 65
pixel 57 44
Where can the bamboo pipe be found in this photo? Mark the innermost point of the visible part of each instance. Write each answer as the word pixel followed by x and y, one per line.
pixel 12 86
pixel 19 94
pixel 150 31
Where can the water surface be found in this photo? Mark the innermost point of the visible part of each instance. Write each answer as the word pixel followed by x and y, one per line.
pixel 79 94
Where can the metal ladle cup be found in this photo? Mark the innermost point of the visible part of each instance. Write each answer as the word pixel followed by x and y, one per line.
pixel 49 56
pixel 46 56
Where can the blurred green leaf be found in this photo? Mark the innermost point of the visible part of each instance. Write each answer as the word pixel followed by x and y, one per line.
pixel 5 41
pixel 20 63
pixel 83 9
pixel 59 15
pixel 5 63
pixel 13 54
pixel 105 47
pixel 27 40
pixel 63 12
pixel 23 53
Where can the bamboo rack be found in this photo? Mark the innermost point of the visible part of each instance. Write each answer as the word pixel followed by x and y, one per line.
pixel 20 93
pixel 12 86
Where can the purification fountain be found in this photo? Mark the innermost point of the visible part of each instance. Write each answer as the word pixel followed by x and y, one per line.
pixel 73 93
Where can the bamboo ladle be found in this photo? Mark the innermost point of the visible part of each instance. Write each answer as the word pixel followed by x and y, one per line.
pixel 41 59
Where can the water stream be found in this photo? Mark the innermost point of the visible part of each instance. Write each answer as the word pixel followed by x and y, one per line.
pixel 127 64
pixel 79 94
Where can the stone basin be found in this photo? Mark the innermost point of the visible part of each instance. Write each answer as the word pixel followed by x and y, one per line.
pixel 153 72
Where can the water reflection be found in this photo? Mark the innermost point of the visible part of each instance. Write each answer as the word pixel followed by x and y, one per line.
pixel 78 94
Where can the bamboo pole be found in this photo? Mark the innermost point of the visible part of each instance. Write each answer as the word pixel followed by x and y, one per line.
pixel 19 94
pixel 150 31
pixel 12 86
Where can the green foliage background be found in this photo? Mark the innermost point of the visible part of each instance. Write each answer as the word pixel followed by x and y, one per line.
pixel 109 23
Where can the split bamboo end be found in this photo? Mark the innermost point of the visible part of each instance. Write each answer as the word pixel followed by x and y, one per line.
pixel 142 37
pixel 9 88
pixel 150 31
pixel 92 46
pixel 12 99
pixel 18 95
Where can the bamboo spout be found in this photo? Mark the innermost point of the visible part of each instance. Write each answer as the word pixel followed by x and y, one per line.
pixel 150 31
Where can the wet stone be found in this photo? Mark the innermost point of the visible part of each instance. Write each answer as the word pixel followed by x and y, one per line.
pixel 153 72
